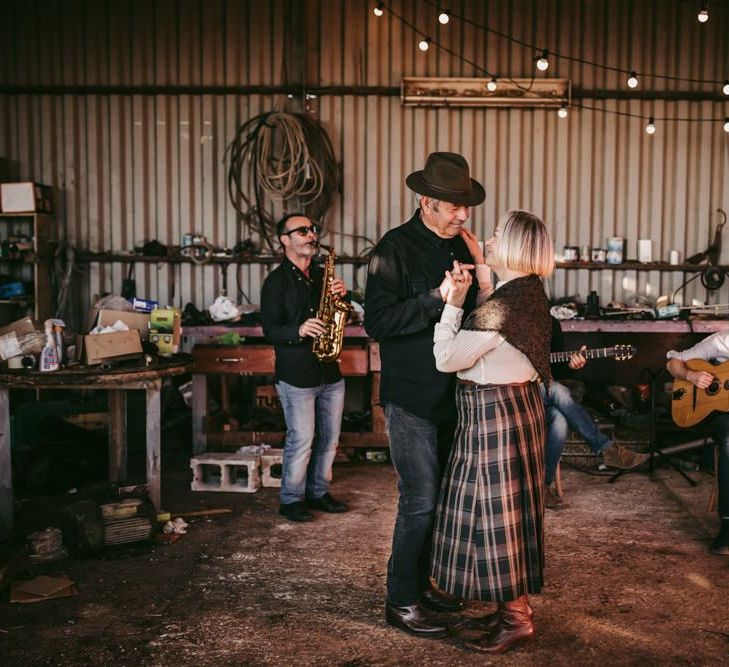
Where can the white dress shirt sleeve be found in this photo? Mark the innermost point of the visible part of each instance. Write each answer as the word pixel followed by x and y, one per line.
pixel 715 346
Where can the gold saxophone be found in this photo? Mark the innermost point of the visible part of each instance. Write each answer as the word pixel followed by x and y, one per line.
pixel 333 311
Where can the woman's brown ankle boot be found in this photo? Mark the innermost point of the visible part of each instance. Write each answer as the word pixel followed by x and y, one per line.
pixel 515 625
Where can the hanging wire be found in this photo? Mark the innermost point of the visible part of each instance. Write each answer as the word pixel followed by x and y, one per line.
pixel 282 157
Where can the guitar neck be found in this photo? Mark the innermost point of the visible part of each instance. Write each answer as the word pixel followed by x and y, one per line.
pixel 592 353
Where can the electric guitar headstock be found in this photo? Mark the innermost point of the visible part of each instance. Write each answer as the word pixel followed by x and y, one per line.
pixel 623 352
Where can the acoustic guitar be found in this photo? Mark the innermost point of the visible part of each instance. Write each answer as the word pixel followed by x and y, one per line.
pixel 689 404
pixel 618 352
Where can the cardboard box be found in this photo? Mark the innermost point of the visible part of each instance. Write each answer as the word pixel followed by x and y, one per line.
pixel 98 348
pixel 12 335
pixel 25 198
pixel 106 318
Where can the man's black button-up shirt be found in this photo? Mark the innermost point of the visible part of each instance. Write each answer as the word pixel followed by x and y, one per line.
pixel 402 305
pixel 288 299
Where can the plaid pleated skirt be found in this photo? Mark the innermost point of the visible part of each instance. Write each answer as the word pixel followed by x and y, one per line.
pixel 488 541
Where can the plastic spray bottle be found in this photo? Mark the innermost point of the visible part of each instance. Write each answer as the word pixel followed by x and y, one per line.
pixel 49 355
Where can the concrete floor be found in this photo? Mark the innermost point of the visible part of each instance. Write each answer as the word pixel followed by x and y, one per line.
pixel 629 582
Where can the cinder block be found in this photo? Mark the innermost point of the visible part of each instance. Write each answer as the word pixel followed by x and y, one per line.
pixel 231 473
pixel 272 468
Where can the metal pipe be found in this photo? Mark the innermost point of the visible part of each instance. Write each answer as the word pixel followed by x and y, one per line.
pixel 366 91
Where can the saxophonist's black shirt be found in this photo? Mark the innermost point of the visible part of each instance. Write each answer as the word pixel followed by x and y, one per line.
pixel 288 299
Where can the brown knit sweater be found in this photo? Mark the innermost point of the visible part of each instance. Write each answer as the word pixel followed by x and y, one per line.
pixel 519 311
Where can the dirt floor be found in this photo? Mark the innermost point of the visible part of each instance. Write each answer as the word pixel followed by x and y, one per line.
pixel 629 582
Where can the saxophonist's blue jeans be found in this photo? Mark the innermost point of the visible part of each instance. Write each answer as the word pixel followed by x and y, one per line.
pixel 313 423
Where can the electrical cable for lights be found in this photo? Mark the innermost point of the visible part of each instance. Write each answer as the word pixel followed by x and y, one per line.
pixel 279 156
pixel 562 56
pixel 540 50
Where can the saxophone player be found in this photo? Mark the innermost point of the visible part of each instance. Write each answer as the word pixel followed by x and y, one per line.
pixel 311 391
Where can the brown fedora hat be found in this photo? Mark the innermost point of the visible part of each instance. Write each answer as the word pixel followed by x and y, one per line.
pixel 446 177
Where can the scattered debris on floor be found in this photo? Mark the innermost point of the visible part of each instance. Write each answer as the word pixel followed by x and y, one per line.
pixel 42 588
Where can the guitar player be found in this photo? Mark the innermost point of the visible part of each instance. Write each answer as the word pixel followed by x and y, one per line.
pixel 716 425
pixel 565 413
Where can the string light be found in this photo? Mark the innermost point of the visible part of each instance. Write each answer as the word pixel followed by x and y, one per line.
pixel 444 16
pixel 563 56
pixel 491 85
pixel 379 10
pixel 726 125
pixel 562 111
pixel 424 45
pixel 703 15
pixel 633 80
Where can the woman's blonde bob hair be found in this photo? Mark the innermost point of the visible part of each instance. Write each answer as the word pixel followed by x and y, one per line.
pixel 523 244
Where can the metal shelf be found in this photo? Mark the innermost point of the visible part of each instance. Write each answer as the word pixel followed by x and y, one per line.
pixel 176 258
pixel 636 266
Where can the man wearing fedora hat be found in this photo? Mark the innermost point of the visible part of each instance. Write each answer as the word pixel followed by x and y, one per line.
pixel 404 299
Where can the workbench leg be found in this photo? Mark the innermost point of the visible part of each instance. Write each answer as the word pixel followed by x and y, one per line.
pixel 153 445
pixel 199 412
pixel 6 469
pixel 117 399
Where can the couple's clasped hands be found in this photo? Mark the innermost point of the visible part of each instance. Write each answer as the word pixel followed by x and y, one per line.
pixel 456 284
pixel 459 279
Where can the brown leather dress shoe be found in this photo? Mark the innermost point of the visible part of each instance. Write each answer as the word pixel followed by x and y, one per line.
pixel 414 620
pixel 515 626
pixel 437 600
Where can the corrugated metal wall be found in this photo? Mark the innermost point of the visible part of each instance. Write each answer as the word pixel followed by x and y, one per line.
pixel 132 167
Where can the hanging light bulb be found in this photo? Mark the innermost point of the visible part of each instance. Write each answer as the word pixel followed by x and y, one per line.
pixel 542 62
pixel 726 125
pixel 703 15
pixel 562 111
pixel 725 88
pixel 491 85
pixel 651 127
pixel 424 44
pixel 633 80
pixel 379 10
pixel 444 16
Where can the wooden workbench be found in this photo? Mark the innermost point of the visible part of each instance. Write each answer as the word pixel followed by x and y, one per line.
pixel 116 382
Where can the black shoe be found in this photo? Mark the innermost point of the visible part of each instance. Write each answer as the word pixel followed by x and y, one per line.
pixel 437 600
pixel 414 620
pixel 327 503
pixel 295 512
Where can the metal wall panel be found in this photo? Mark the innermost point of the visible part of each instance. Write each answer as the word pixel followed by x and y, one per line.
pixel 134 167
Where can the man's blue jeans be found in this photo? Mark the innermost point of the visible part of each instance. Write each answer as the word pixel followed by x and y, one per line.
pixel 563 414
pixel 419 449
pixel 313 423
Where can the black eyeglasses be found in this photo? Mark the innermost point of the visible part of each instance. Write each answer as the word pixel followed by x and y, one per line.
pixel 303 230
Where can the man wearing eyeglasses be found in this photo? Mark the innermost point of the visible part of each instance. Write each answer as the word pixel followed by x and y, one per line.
pixel 311 391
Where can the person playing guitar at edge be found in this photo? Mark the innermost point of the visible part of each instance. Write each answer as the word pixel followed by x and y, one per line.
pixel 565 413
pixel 716 425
